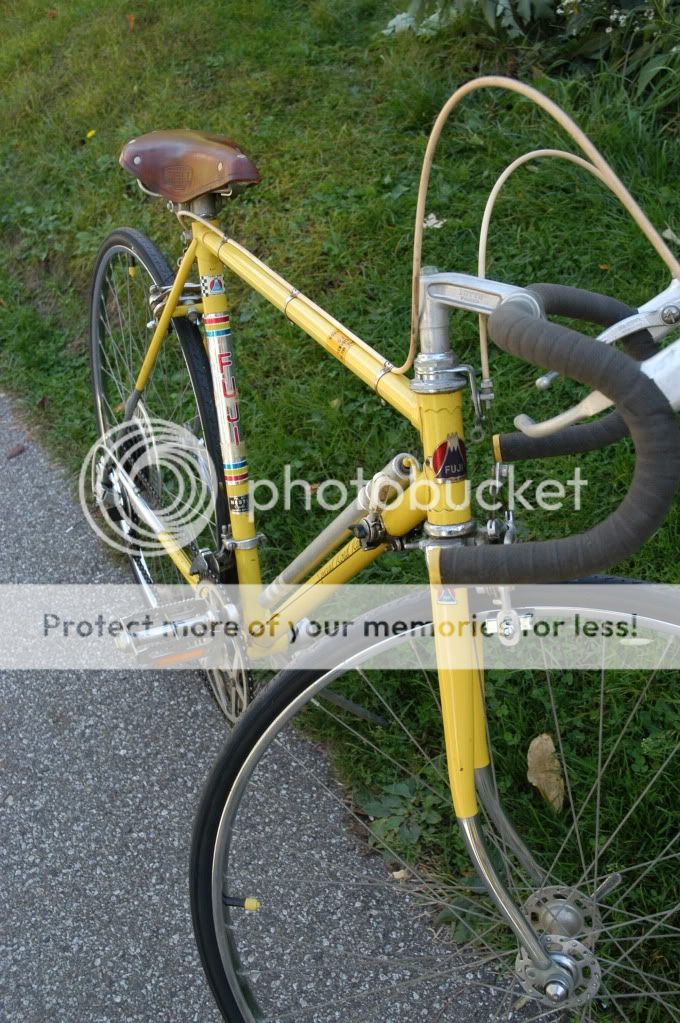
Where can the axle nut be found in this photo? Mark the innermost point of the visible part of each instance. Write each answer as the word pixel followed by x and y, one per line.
pixel 556 991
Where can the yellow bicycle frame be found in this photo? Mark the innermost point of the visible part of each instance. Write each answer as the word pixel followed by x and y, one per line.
pixel 437 417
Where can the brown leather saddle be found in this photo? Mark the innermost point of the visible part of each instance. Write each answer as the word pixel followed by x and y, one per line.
pixel 182 165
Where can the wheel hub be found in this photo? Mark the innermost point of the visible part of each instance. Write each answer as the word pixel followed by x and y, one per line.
pixel 573 980
pixel 564 912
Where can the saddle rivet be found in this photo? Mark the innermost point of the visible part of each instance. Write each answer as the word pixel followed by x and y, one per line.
pixel 220 165
pixel 137 160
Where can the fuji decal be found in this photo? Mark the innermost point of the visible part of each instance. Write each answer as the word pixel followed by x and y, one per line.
pixel 449 461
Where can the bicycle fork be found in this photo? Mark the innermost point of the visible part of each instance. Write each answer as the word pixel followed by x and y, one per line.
pixel 470 776
pixel 439 381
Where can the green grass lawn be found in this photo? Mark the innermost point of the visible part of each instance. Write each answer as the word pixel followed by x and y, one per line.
pixel 336 116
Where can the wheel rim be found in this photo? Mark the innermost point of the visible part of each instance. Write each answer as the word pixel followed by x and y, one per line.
pixel 473 950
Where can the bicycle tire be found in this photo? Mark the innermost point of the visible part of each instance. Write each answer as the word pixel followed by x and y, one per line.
pixel 179 391
pixel 260 831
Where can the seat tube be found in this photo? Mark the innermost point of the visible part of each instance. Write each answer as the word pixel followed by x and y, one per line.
pixel 217 325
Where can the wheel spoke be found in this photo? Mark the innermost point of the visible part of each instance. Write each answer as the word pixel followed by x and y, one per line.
pixel 619 739
pixel 600 730
pixel 631 810
pixel 119 337
pixel 617 966
pixel 121 358
pixel 565 769
pixel 372 745
pixel 427 761
pixel 649 866
pixel 387 847
pixel 177 391
pixel 635 920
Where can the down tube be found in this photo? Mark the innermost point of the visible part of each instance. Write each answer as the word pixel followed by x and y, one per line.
pixel 344 565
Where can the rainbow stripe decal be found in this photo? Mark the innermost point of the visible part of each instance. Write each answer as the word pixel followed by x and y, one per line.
pixel 218 331
pixel 217 324
pixel 236 472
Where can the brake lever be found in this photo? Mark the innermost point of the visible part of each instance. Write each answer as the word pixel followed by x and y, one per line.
pixel 592 404
pixel 663 368
pixel 659 316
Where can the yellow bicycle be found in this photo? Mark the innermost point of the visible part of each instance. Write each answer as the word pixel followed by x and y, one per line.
pixel 329 878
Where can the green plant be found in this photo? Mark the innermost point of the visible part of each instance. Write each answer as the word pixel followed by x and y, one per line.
pixel 408 814
pixel 640 39
pixel 425 17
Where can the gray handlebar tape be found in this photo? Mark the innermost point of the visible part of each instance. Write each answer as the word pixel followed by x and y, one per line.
pixel 559 300
pixel 653 428
pixel 573 440
pixel 588 306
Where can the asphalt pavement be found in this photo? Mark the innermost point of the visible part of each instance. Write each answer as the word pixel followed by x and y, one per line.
pixel 99 778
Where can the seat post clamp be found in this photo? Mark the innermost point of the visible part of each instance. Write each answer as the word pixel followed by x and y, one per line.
pixel 230 544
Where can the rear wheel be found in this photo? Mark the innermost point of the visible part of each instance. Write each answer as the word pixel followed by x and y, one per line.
pixel 170 445
pixel 342 828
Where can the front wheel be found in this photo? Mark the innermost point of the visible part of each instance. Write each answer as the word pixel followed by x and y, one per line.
pixel 340 825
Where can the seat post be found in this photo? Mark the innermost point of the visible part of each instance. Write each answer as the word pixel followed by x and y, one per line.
pixel 204 206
